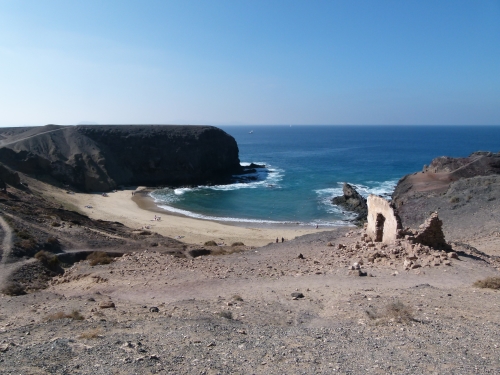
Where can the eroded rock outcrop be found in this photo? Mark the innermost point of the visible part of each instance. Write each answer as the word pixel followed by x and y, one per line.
pixel 100 158
pixel 8 177
pixel 352 201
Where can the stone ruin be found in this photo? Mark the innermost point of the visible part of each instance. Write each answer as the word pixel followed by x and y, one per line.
pixel 384 225
pixel 384 241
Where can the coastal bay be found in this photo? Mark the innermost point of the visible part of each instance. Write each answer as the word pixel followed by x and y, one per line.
pixel 138 211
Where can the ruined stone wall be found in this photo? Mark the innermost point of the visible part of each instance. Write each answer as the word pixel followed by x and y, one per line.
pixel 383 222
pixel 431 233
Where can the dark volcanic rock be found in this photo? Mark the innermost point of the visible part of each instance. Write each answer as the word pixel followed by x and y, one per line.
pixel 8 177
pixel 100 158
pixel 352 201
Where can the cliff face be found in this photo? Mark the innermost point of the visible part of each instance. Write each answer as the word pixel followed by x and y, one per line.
pixel 100 158
pixel 464 191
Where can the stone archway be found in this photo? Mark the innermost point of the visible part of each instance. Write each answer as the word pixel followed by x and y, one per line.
pixel 383 222
pixel 379 228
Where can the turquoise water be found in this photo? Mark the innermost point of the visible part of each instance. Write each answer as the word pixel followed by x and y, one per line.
pixel 307 165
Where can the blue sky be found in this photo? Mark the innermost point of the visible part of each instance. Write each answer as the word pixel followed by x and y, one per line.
pixel 249 62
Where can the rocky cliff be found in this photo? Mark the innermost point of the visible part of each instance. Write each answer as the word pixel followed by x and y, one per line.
pixel 465 192
pixel 100 158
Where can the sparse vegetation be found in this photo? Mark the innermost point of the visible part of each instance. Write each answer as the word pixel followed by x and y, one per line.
pixel 454 200
pixel 226 314
pixel 237 297
pixel 23 235
pixel 394 311
pixel 237 244
pixel 99 257
pixel 75 315
pixel 210 243
pixel 27 246
pixel 13 288
pixel 52 241
pixel 48 259
pixel 400 312
pixel 55 224
pixel 91 334
pixel 490 283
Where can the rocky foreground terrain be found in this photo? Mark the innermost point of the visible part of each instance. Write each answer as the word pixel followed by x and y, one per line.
pixel 331 302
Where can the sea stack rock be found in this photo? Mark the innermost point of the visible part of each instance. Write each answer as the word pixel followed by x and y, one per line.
pixel 102 157
pixel 352 201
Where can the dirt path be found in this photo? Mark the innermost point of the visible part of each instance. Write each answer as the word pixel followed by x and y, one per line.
pixel 2 143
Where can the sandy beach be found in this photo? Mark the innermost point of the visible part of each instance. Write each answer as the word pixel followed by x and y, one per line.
pixel 138 211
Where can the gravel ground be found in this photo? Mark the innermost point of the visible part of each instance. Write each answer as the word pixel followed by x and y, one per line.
pixel 235 314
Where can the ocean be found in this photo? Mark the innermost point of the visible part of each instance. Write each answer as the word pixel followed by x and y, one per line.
pixel 306 167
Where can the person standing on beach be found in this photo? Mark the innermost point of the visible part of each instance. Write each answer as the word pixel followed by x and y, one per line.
pixel 277 240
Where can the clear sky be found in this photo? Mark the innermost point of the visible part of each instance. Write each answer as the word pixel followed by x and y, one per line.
pixel 249 62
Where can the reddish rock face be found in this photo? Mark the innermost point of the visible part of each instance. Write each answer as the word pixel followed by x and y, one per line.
pixel 100 158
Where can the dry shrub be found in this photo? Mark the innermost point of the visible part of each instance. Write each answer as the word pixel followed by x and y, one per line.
pixel 23 234
pixel 210 243
pixel 237 297
pixel 490 283
pixel 91 334
pixel 145 233
pixel 52 241
pixel 27 245
pixel 237 244
pixel 48 259
pixel 399 312
pixel 99 257
pixel 395 312
pixel 454 200
pixel 226 314
pixel 55 224
pixel 13 288
pixel 75 315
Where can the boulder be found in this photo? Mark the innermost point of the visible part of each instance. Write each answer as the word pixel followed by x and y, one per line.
pixel 107 305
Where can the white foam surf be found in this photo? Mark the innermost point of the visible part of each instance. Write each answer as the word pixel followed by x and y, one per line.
pixel 384 188
pixel 244 220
